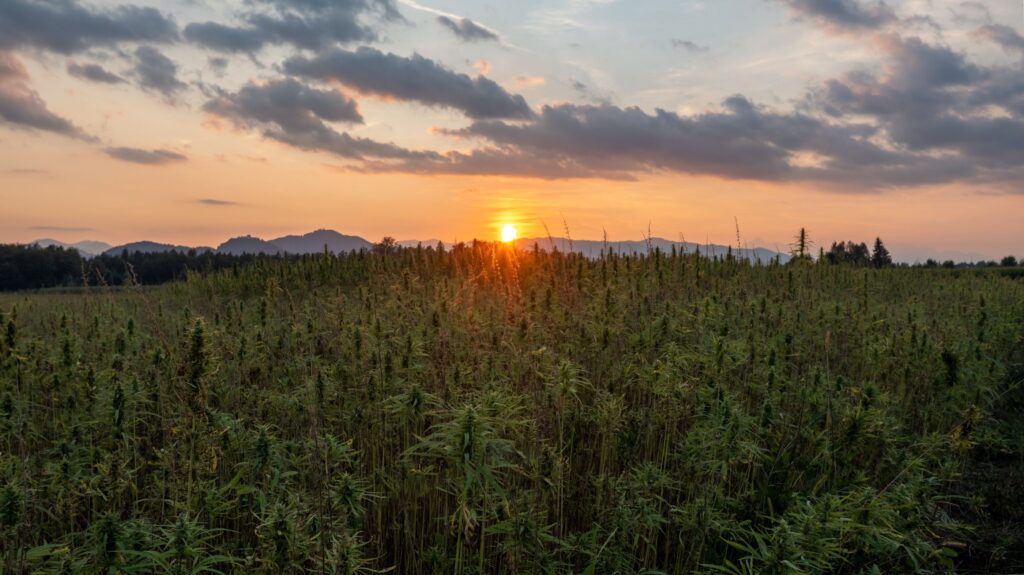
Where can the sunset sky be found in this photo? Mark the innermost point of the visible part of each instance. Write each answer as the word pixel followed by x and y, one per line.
pixel 191 121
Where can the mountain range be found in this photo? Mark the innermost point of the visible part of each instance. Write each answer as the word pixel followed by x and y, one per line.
pixel 87 248
pixel 335 242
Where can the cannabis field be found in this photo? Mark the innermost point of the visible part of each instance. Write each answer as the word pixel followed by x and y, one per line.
pixel 490 411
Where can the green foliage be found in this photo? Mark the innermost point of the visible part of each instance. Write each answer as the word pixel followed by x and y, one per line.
pixel 485 410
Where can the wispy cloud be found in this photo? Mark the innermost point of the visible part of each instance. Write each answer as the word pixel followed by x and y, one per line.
pixel 67 229
pixel 216 202
pixel 457 21
pixel 29 172
pixel 145 157
pixel 689 46
pixel 93 73
pixel 468 30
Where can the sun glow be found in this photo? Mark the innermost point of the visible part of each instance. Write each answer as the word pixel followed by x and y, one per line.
pixel 509 233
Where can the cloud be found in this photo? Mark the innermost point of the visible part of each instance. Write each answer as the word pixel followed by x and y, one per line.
pixel 971 12
pixel 67 229
pixel 689 46
pixel 216 202
pixel 741 142
pixel 587 93
pixel 1005 36
pixel 28 172
pixel 21 107
pixel 417 79
pixel 468 30
pixel 298 115
pixel 145 157
pixel 308 24
pixel 930 101
pixel 157 72
pixel 497 162
pixel 225 38
pixel 287 103
pixel 11 68
pixel 218 65
pixel 845 15
pixel 93 73
pixel 67 27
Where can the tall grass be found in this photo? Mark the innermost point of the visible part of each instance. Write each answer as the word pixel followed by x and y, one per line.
pixel 491 411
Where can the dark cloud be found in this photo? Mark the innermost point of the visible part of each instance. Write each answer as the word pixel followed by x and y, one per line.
pixel 66 26
pixel 93 73
pixel 689 46
pixel 225 38
pixel 309 24
pixel 157 72
pixel 216 202
pixel 932 102
pixel 497 162
pixel 468 30
pixel 298 115
pixel 845 14
pixel 415 79
pixel 287 103
pixel 743 141
pixel 145 157
pixel 21 107
pixel 346 146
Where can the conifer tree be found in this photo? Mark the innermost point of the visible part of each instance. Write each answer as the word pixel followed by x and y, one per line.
pixel 880 257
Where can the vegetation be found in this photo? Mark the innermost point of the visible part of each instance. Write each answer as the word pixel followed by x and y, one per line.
pixel 31 267
pixel 484 410
pixel 856 254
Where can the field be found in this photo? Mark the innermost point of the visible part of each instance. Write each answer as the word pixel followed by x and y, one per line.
pixel 491 411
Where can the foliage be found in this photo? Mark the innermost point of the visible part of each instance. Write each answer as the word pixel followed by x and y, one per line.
pixel 485 410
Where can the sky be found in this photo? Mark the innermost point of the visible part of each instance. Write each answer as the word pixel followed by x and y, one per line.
pixel 192 121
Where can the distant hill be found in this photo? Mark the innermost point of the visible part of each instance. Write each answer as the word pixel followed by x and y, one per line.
pixel 314 242
pixel 146 247
pixel 248 245
pixel 593 248
pixel 87 248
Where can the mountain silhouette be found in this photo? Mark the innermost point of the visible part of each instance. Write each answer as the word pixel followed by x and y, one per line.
pixel 87 248
pixel 248 245
pixel 147 247
pixel 315 242
pixel 335 242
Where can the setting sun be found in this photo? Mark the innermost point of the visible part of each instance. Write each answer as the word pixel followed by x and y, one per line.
pixel 509 233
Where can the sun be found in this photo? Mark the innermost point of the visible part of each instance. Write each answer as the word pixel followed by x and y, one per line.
pixel 509 233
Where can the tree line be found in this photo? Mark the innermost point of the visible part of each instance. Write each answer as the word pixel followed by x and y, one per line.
pixel 858 254
pixel 25 267
pixel 32 267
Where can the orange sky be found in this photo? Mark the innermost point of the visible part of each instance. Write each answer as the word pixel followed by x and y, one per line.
pixel 279 191
pixel 580 55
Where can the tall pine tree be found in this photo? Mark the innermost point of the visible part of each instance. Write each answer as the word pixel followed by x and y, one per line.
pixel 880 257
